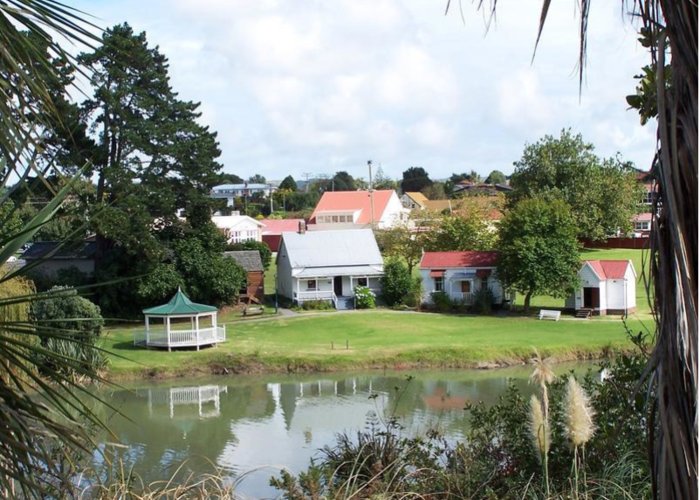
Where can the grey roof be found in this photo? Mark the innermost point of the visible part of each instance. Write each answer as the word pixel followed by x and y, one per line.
pixel 59 250
pixel 247 259
pixel 333 248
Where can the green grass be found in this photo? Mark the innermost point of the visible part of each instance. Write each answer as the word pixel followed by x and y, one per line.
pixel 636 256
pixel 376 339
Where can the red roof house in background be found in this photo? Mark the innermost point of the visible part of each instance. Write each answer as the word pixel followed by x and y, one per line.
pixel 607 287
pixel 273 229
pixel 358 209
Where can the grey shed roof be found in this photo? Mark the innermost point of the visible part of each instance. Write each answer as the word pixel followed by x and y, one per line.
pixel 347 247
pixel 247 259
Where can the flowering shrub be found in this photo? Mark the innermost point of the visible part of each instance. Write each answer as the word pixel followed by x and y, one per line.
pixel 364 298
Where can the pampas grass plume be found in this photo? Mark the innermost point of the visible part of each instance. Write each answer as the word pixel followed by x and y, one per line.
pixel 579 414
pixel 539 427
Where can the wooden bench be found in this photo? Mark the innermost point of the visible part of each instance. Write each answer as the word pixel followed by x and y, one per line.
pixel 253 310
pixel 550 314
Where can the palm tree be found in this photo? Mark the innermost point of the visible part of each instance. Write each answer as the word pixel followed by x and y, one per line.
pixel 41 416
pixel 673 263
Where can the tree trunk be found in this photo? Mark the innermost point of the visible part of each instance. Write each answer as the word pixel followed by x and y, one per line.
pixel 526 304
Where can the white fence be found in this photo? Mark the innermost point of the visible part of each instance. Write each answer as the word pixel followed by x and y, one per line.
pixel 181 338
pixel 315 295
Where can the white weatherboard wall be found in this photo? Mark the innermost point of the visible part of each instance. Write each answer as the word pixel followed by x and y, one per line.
pixel 590 280
pixel 622 293
pixel 394 213
pixel 452 284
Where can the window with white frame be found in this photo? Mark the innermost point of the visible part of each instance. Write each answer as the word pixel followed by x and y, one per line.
pixel 439 284
pixel 311 285
pixel 362 281
pixel 466 286
pixel 643 225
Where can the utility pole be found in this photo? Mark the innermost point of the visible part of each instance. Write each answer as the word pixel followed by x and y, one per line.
pixel 271 206
pixel 371 193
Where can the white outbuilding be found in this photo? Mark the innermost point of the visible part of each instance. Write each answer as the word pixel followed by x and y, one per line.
pixel 606 287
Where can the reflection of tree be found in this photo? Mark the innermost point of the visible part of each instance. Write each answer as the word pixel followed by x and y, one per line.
pixel 288 402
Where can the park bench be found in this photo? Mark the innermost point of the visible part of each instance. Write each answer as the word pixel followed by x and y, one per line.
pixel 253 310
pixel 549 314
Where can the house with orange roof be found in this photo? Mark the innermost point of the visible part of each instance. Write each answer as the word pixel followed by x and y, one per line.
pixel 414 200
pixel 460 275
pixel 380 209
pixel 606 287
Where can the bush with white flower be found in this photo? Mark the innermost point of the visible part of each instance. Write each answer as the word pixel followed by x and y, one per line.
pixel 364 298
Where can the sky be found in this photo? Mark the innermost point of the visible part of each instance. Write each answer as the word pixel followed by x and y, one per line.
pixel 312 87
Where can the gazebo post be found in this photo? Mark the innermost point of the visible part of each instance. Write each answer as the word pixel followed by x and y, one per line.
pixel 148 330
pixel 167 330
pixel 196 329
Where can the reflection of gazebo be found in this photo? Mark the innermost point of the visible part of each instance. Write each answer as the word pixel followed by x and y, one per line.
pixel 180 323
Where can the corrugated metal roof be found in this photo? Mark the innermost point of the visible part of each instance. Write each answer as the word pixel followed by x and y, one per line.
pixel 180 304
pixel 610 269
pixel 333 248
pixel 458 259
pixel 318 272
pixel 278 226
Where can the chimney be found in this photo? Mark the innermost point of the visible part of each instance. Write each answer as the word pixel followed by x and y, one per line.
pixel 302 227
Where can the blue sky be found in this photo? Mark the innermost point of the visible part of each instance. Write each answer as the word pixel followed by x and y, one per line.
pixel 313 87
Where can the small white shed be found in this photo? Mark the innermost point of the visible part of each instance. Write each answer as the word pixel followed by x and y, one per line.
pixel 607 287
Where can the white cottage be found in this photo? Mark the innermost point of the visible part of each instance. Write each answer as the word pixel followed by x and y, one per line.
pixel 607 287
pixel 238 228
pixel 328 265
pixel 460 275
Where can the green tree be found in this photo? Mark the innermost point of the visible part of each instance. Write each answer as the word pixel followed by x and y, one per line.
pixel 381 181
pixel 415 179
pixel 436 191
pixel 603 195
pixel 396 282
pixel 538 249
pixel 401 243
pixel 79 322
pixel 151 158
pixel 227 178
pixel 257 179
pixel 458 233
pixel 262 248
pixel 343 181
pixel 288 183
pixel 496 177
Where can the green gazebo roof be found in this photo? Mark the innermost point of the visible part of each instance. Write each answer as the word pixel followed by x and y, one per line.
pixel 180 304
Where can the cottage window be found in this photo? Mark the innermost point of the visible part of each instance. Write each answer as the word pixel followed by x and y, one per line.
pixel 642 226
pixel 362 281
pixel 439 284
pixel 311 285
pixel 466 287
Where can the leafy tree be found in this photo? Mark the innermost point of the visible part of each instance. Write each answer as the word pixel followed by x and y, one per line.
pixel 343 181
pixel 262 248
pixel 458 233
pixel 436 191
pixel 227 178
pixel 288 183
pixel 539 251
pixel 415 179
pixel 496 177
pixel 381 181
pixel 257 179
pixel 401 243
pixel 603 195
pixel 80 323
pixel 396 282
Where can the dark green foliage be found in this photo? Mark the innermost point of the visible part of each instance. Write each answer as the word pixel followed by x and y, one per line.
pixel 317 305
pixel 343 181
pixel 288 183
pixel 603 194
pixel 460 233
pixel 496 177
pixel 265 252
pixel 415 179
pixel 257 179
pixel 396 282
pixel 483 301
pixel 68 325
pixel 538 249
pixel 441 301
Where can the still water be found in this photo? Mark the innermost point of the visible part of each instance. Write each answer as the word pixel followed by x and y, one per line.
pixel 251 427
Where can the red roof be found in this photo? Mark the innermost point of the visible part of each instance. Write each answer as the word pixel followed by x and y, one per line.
pixel 643 217
pixel 444 260
pixel 278 226
pixel 338 201
pixel 609 269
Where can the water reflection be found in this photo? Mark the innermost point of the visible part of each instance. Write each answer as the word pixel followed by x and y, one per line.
pixel 241 424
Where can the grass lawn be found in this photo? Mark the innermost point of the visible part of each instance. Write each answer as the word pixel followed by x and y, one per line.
pixel 376 339
pixel 643 310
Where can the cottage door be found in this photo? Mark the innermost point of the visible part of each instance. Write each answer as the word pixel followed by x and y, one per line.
pixel 338 286
pixel 591 297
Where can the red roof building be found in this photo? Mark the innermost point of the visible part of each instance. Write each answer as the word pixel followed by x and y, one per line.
pixel 273 229
pixel 353 209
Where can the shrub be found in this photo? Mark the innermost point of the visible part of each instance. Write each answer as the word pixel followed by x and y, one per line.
pixel 364 298
pixel 483 301
pixel 317 305
pixel 441 301
pixel 396 282
pixel 68 325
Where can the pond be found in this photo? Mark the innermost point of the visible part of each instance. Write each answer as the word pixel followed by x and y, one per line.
pixel 253 426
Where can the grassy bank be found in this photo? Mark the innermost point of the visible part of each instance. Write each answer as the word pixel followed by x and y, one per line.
pixel 372 339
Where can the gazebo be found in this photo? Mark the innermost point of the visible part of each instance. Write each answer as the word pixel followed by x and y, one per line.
pixel 180 323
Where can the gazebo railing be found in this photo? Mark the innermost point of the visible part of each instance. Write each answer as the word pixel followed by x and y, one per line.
pixel 176 338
